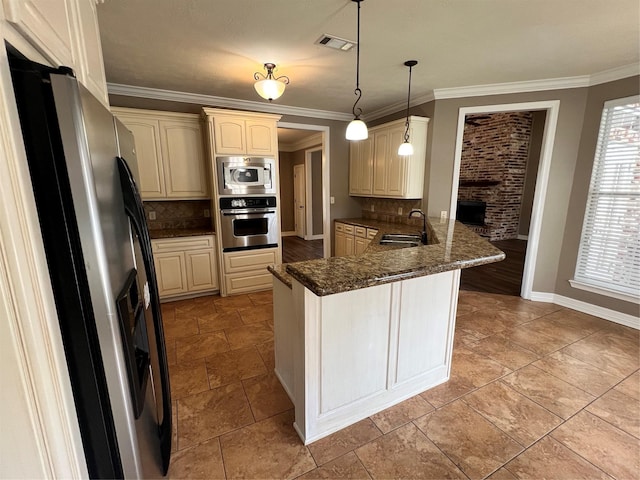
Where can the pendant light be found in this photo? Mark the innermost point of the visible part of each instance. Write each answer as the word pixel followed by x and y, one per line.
pixel 357 129
pixel 268 86
pixel 406 148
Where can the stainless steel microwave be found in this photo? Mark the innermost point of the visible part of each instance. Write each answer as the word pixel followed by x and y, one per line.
pixel 246 175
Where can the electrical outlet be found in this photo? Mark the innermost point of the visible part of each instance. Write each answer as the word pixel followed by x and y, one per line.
pixel 332 200
pixel 207 213
pixel 373 208
pixel 399 210
pixel 443 215
pixel 152 215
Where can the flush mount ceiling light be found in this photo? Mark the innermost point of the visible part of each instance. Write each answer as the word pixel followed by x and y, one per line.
pixel 357 129
pixel 406 148
pixel 268 86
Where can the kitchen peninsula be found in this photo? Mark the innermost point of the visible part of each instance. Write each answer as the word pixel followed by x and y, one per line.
pixel 357 334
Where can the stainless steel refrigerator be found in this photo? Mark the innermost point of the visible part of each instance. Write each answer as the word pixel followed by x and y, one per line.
pixel 101 267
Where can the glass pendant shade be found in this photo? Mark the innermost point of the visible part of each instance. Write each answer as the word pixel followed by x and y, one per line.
pixel 269 89
pixel 357 130
pixel 405 149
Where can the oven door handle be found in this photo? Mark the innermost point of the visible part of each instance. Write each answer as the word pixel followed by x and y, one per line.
pixel 246 211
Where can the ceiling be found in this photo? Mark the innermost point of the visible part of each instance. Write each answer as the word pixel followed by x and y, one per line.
pixel 213 47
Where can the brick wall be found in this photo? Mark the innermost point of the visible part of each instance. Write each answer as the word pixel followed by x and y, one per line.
pixel 494 158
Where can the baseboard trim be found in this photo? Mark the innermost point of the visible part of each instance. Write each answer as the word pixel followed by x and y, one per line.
pixel 318 236
pixel 588 308
pixel 287 234
pixel 523 237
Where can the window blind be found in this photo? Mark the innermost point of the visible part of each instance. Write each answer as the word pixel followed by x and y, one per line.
pixel 609 253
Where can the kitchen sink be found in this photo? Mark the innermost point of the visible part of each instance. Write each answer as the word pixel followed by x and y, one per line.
pixel 400 240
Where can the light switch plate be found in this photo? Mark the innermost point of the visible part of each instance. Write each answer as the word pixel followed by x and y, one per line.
pixel 152 215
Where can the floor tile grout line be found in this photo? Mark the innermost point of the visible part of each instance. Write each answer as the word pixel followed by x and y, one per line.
pixel 438 446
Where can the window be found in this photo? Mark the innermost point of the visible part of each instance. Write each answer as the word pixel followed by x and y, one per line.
pixel 609 254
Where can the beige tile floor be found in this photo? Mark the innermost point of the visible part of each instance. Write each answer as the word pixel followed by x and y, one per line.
pixel 536 391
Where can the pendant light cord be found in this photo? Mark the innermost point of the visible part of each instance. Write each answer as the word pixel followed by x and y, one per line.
pixel 357 111
pixel 406 123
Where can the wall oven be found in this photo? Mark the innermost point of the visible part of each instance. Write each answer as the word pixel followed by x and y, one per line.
pixel 246 175
pixel 248 223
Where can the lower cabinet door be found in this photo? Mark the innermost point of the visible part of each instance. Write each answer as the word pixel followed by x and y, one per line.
pixel 170 273
pixel 201 270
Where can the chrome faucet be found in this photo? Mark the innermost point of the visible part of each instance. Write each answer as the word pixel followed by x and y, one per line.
pixel 424 223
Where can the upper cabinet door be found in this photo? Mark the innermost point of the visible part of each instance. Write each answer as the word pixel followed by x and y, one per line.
pixel 183 151
pixel 91 65
pixel 381 149
pixel 361 167
pixel 48 24
pixel 146 132
pixel 230 136
pixel 261 138
pixel 396 170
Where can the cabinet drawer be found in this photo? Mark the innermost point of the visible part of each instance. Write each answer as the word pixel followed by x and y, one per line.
pixel 181 244
pixel 250 260
pixel 360 232
pixel 348 228
pixel 371 232
pixel 248 281
pixel 339 227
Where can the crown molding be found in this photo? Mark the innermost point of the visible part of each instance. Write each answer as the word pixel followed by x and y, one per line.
pixel 213 101
pixel 581 81
pixel 615 74
pixel 399 106
pixel 311 141
pixel 513 87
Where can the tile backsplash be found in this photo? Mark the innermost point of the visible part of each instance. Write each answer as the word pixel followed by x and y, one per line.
pixel 390 210
pixel 178 214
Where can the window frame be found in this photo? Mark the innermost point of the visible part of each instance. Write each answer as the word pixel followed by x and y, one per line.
pixel 581 279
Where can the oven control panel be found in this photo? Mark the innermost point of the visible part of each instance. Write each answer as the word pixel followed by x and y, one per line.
pixel 229 203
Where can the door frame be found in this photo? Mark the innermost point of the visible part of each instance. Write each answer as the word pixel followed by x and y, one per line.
pixel 326 148
pixel 308 165
pixel 304 193
pixel 552 108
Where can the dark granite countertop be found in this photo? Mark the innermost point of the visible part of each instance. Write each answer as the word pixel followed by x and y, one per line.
pixel 280 272
pixel 451 246
pixel 179 232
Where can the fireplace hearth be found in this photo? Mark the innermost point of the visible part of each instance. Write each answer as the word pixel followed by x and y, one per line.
pixel 471 212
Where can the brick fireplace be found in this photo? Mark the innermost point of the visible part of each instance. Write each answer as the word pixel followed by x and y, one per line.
pixel 492 170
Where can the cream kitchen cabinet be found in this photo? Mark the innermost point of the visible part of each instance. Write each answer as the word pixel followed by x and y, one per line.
pixel 185 265
pixel 361 167
pixel 379 165
pixel 345 244
pixel 244 133
pixel 246 271
pixel 170 153
pixel 362 238
pixel 66 32
pixel 352 239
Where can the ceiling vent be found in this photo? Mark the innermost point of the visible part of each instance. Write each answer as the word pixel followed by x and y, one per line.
pixel 336 43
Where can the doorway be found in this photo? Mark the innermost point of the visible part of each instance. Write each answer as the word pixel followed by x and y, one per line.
pixel 303 167
pixel 300 200
pixel 528 252
pixel 498 169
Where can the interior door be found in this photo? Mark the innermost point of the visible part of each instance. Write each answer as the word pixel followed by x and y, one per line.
pixel 299 199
